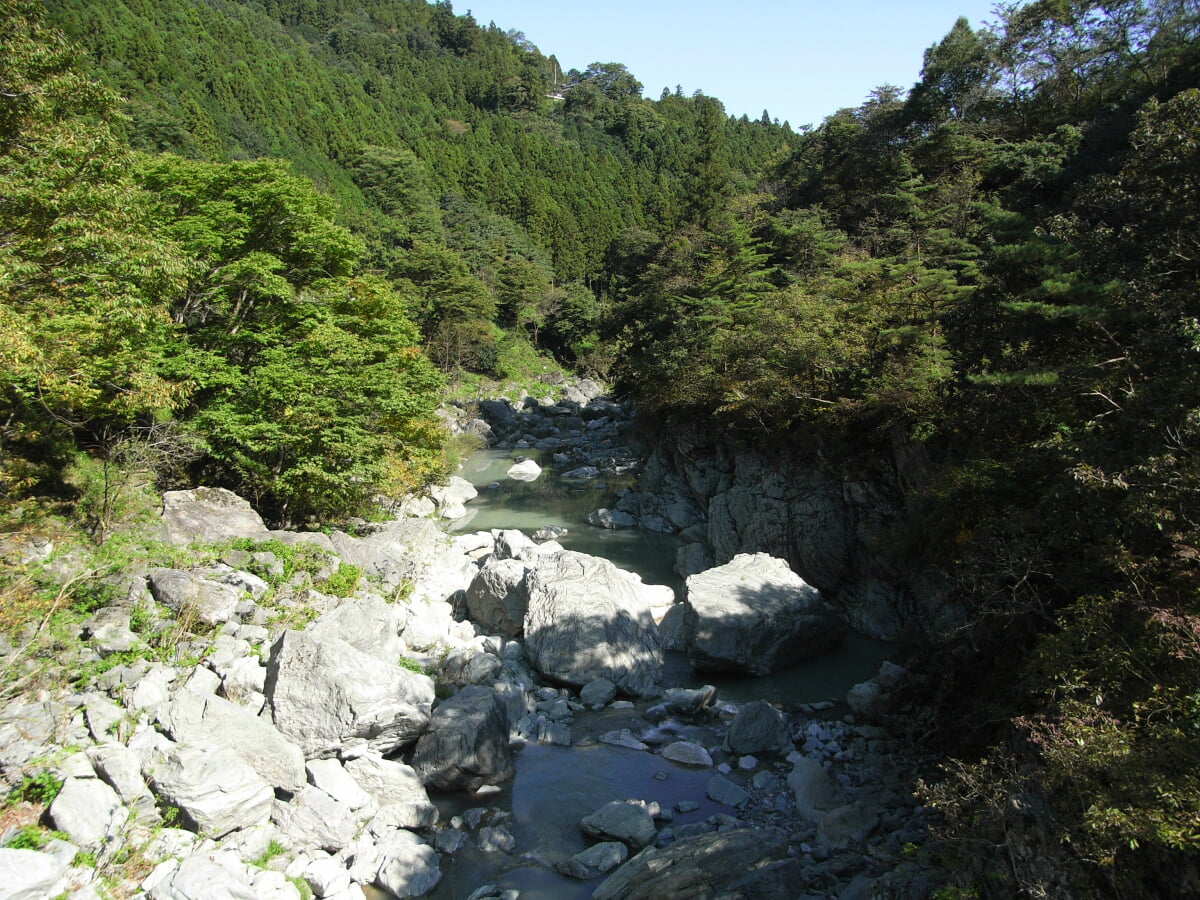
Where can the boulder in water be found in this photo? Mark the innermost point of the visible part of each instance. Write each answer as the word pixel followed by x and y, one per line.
pixel 628 823
pixel 525 470
pixel 755 615
pixel 587 619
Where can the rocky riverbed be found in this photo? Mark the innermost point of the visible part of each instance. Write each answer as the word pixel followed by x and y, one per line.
pixel 299 741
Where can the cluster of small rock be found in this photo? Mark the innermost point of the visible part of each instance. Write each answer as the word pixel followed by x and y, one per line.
pixel 583 431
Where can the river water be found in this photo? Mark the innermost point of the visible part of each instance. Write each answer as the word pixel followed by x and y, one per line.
pixel 554 786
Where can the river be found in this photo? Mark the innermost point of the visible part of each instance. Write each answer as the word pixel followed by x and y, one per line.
pixel 554 787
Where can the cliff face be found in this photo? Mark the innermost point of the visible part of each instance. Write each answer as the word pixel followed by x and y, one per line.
pixel 827 514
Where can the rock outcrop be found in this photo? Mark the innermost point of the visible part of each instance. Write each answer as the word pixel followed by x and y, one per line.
pixel 738 863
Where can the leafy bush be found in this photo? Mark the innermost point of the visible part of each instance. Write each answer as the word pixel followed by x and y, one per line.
pixel 40 788
pixel 342 583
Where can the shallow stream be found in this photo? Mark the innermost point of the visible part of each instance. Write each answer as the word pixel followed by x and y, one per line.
pixel 554 786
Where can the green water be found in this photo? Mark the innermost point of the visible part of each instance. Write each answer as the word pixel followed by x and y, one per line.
pixel 553 500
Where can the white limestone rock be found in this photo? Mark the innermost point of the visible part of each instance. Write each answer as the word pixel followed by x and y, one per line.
pixel 191 718
pixel 88 811
pixel 324 692
pixel 215 790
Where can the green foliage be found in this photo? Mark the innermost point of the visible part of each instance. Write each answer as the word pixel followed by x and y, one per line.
pixel 82 275
pixel 274 850
pixel 294 558
pixel 411 665
pixel 343 582
pixel 302 888
pixel 1000 266
pixel 88 672
pixel 29 837
pixel 41 788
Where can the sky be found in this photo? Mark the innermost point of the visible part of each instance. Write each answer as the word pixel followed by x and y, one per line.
pixel 801 60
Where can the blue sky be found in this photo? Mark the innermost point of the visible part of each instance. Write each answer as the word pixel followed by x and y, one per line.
pixel 801 60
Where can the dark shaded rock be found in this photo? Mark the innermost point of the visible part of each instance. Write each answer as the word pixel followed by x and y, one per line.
pixel 497 597
pixel 758 727
pixel 467 745
pixel 751 864
pixel 628 823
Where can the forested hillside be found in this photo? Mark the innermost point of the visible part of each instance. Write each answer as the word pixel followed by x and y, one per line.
pixel 425 170
pixel 247 241
pixel 1002 263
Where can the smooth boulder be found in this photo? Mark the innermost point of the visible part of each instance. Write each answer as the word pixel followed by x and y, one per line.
pixel 755 615
pixel 587 619
pixel 497 597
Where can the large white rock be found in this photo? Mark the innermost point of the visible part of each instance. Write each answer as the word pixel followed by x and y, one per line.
pixel 215 790
pixel 451 497
pixel 755 615
pixel 525 470
pixel 408 866
pixel 191 718
pixel 587 619
pixel 324 692
pixel 327 877
pixel 314 819
pixel 201 877
pixel 396 787
pixel 331 777
pixel 368 623
pixel 28 874
pixel 209 515
pixel 88 811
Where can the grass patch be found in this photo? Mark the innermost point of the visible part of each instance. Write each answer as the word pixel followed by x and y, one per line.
pixel 412 665
pixel 274 849
pixel 342 583
pixel 30 837
pixel 41 788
